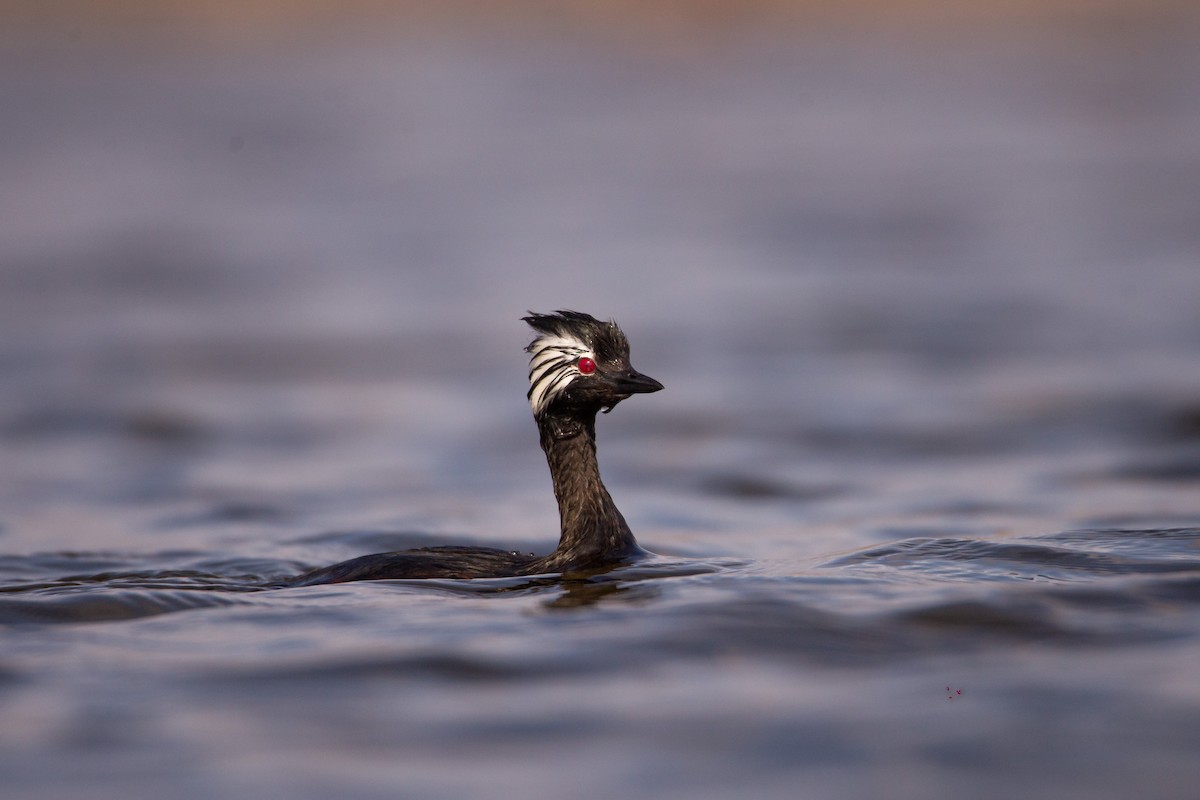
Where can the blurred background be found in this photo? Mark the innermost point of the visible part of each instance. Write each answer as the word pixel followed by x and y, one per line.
pixel 908 270
pixel 875 227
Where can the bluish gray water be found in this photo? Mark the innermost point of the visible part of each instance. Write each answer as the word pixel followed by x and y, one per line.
pixel 924 482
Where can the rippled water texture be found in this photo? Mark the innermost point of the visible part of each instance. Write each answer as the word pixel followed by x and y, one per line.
pixel 923 486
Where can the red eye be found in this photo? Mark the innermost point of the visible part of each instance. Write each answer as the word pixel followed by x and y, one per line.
pixel 586 366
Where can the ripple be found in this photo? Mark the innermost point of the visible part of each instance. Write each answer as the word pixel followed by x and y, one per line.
pixel 105 605
pixel 1091 553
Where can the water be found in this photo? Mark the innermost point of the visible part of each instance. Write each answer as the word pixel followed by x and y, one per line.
pixel 924 484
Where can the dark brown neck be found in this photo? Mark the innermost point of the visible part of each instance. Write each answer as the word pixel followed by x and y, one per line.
pixel 593 531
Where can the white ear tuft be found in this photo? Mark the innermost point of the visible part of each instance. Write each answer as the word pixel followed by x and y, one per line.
pixel 553 365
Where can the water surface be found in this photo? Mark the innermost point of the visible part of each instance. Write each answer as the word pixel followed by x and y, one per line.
pixel 924 484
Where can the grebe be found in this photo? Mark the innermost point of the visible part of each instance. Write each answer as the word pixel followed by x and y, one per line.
pixel 578 365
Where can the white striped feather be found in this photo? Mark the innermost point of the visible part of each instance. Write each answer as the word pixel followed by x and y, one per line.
pixel 553 364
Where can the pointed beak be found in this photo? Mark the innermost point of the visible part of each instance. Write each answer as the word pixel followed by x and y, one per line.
pixel 634 382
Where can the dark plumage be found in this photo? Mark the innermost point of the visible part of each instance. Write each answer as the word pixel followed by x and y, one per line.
pixel 578 365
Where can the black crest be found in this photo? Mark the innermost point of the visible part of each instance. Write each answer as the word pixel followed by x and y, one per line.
pixel 601 337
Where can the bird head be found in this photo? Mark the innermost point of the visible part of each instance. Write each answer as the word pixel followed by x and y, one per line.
pixel 580 365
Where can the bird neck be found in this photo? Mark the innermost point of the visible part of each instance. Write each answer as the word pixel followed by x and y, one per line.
pixel 593 530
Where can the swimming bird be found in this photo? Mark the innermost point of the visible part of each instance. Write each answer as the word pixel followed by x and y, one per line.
pixel 578 366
